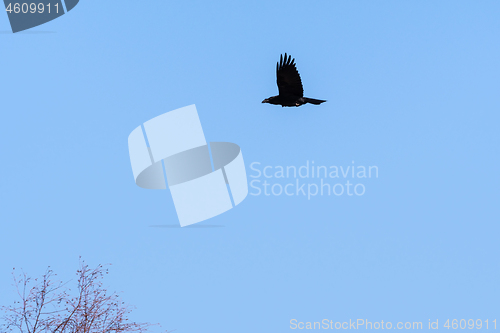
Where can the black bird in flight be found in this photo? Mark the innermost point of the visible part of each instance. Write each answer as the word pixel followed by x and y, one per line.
pixel 290 88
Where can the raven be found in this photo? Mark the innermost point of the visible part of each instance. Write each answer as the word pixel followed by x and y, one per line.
pixel 290 88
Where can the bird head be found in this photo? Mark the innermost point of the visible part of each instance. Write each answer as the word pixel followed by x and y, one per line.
pixel 266 100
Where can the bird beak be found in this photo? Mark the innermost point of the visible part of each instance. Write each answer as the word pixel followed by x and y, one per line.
pixel 264 101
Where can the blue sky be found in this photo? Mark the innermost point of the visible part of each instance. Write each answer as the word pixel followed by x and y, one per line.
pixel 412 88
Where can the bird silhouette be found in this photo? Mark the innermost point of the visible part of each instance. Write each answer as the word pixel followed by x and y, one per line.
pixel 291 92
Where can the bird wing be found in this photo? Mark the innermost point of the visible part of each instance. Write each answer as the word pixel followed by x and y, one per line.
pixel 288 77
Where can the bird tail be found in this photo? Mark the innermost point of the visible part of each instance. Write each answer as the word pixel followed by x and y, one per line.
pixel 313 101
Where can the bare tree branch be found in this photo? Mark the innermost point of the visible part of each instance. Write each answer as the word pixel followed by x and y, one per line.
pixel 48 307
